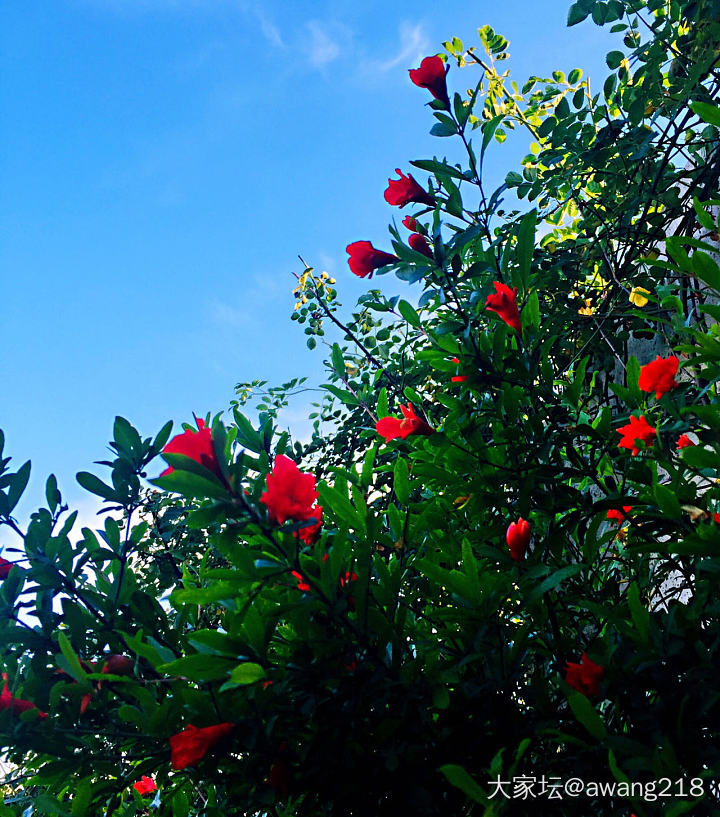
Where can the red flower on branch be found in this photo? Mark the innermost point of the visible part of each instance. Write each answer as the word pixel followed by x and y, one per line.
pixel 585 676
pixel 365 259
pixel 405 190
pixel 144 786
pixel 17 705
pixel 198 446
pixel 411 224
pixel 504 302
pixel 191 745
pixel 638 430
pixel 683 441
pixel 659 375
pixel 310 534
pixel 432 75
pixel 518 538
pixel 619 516
pixel 118 665
pixel 290 493
pixel 392 427
pixel 419 244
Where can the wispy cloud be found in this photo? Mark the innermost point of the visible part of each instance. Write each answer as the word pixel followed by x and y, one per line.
pixel 413 44
pixel 328 40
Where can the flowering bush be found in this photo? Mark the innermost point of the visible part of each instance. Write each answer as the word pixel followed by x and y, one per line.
pixel 357 625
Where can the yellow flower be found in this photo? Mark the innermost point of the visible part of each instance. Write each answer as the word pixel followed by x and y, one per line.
pixel 636 297
pixel 588 309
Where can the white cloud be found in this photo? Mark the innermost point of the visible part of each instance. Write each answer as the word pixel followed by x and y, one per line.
pixel 327 42
pixel 413 45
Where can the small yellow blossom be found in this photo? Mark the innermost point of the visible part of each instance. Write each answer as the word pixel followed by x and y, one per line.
pixel 637 298
pixel 588 309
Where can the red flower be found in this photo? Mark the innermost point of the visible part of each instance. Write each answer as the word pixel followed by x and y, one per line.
pixel 504 302
pixel 144 786
pixel 459 378
pixel 419 244
pixel 198 446
pixel 302 584
pixel 431 75
pixel 190 745
pixel 411 224
pixel 639 430
pixel 659 376
pixel 5 568
pixel 310 534
pixel 17 705
pixel 619 516
pixel 716 518
pixel 365 259
pixel 404 190
pixel 518 538
pixel 392 427
pixel 585 676
pixel 683 441
pixel 290 494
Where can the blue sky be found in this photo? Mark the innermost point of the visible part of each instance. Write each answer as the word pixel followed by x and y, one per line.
pixel 164 162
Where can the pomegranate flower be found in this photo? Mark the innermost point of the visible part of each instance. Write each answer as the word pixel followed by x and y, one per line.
pixel 638 430
pixel 615 515
pixel 198 446
pixel 405 190
pixel 683 441
pixel 144 786
pixel 504 302
pixel 190 746
pixel 392 427
pixel 365 259
pixel 419 244
pixel 585 676
pixel 432 75
pixel 290 493
pixel 16 705
pixel 518 538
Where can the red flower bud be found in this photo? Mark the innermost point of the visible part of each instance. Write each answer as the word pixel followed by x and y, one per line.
pixel 392 427
pixel 504 302
pixel 419 244
pixel 683 441
pixel 431 75
pixel 365 259
pixel 17 705
pixel 118 665
pixel 6 567
pixel 518 538
pixel 405 190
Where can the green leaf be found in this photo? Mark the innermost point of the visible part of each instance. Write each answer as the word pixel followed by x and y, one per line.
pixel 667 501
pixel 553 580
pixel 189 484
pixel 525 247
pixel 708 113
pixel 401 480
pixel 247 673
pixel 459 778
pixel 578 12
pixel 638 612
pixel 180 804
pixel 531 312
pixel 338 361
pixel 74 667
pixel 199 667
pixel 81 798
pixel 699 457
pixel 382 404
pixel 614 58
pixel 443 129
pixel 587 715
pixel 96 486
pixel 51 492
pixel 409 313
pixel 17 486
